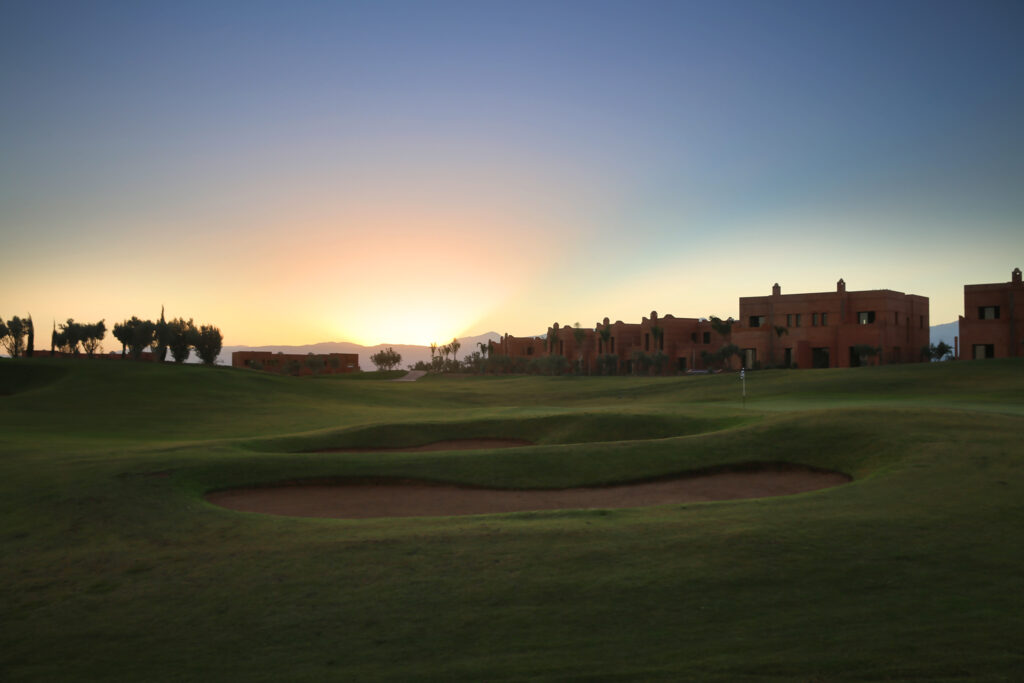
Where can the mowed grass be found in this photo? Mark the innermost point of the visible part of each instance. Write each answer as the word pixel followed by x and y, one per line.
pixel 114 568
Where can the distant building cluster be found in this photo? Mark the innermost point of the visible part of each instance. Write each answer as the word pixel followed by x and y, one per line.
pixel 834 329
pixel 296 363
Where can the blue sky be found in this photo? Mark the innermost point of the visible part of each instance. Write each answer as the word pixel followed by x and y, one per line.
pixel 407 171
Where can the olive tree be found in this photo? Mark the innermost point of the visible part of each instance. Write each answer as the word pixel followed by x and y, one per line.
pixel 208 344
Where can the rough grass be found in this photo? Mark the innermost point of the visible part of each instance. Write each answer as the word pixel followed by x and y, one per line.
pixel 114 568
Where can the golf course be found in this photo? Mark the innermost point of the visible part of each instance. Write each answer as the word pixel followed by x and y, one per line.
pixel 122 560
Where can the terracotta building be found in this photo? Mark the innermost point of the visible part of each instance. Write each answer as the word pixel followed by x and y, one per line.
pixel 296 363
pixel 832 329
pixel 991 324
pixel 682 340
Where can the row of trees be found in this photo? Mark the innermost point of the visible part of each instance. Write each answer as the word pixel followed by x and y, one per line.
pixel 179 336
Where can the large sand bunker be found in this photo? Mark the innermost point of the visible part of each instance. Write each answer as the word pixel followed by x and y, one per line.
pixel 408 498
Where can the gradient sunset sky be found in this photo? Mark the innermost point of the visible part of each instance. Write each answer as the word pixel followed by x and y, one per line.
pixel 406 172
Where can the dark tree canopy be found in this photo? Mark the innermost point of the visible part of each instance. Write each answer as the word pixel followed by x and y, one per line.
pixel 208 344
pixel 182 336
pixel 386 359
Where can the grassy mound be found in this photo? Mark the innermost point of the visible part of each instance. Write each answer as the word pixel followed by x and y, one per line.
pixel 115 568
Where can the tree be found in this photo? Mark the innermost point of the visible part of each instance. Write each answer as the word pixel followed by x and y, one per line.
pixel 455 346
pixel 91 336
pixel 208 344
pixel 31 348
pixel 315 362
pixel 161 338
pixel 579 335
pixel 722 327
pixel 728 351
pixel 780 330
pixel 386 359
pixel 605 333
pixel 940 351
pixel 123 334
pixel 14 339
pixel 3 332
pixel 70 334
pixel 134 334
pixel 865 351
pixel 641 362
pixel 181 335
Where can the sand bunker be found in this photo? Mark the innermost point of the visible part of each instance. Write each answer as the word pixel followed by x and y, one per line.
pixel 406 498
pixel 453 445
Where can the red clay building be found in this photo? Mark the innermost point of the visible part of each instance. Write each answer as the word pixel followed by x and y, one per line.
pixel 296 363
pixel 990 325
pixel 682 340
pixel 832 329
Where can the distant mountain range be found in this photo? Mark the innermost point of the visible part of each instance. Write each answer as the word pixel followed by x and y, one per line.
pixel 410 353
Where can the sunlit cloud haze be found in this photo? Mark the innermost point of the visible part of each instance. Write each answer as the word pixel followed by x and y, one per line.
pixel 408 172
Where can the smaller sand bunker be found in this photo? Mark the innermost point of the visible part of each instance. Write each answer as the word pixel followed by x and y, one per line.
pixel 451 445
pixel 407 498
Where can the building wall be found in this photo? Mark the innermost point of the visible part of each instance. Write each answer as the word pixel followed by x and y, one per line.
pixel 334 363
pixel 819 329
pixel 1001 337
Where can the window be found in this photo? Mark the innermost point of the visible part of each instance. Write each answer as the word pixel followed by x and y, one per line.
pixel 529 350
pixel 749 358
pixel 707 337
pixel 756 320
pixel 824 319
pixel 988 313
pixel 789 320
pixel 682 365
pixel 798 317
pixel 647 341
pixel 896 317
pixel 984 351
pixel 787 358
pixel 865 317
pixel 612 342
pixel 814 319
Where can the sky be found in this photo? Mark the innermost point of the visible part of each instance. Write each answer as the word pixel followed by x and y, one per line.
pixel 408 172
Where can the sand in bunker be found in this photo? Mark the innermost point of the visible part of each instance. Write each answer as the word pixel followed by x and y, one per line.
pixel 420 499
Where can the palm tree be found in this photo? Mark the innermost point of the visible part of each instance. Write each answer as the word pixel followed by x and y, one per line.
pixel 455 346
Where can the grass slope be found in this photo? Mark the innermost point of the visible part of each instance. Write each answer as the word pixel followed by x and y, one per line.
pixel 114 567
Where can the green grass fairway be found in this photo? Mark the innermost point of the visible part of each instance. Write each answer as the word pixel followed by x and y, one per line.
pixel 115 568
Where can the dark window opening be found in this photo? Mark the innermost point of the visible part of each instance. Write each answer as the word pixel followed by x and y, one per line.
pixel 814 319
pixel 529 350
pixel 988 313
pixel 820 357
pixel 682 365
pixel 824 319
pixel 756 320
pixel 647 341
pixel 787 358
pixel 982 351
pixel 789 320
pixel 707 337
pixel 799 317
pixel 865 317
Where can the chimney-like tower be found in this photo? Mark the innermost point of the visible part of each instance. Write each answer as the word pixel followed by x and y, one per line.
pixel 776 290
pixel 841 286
